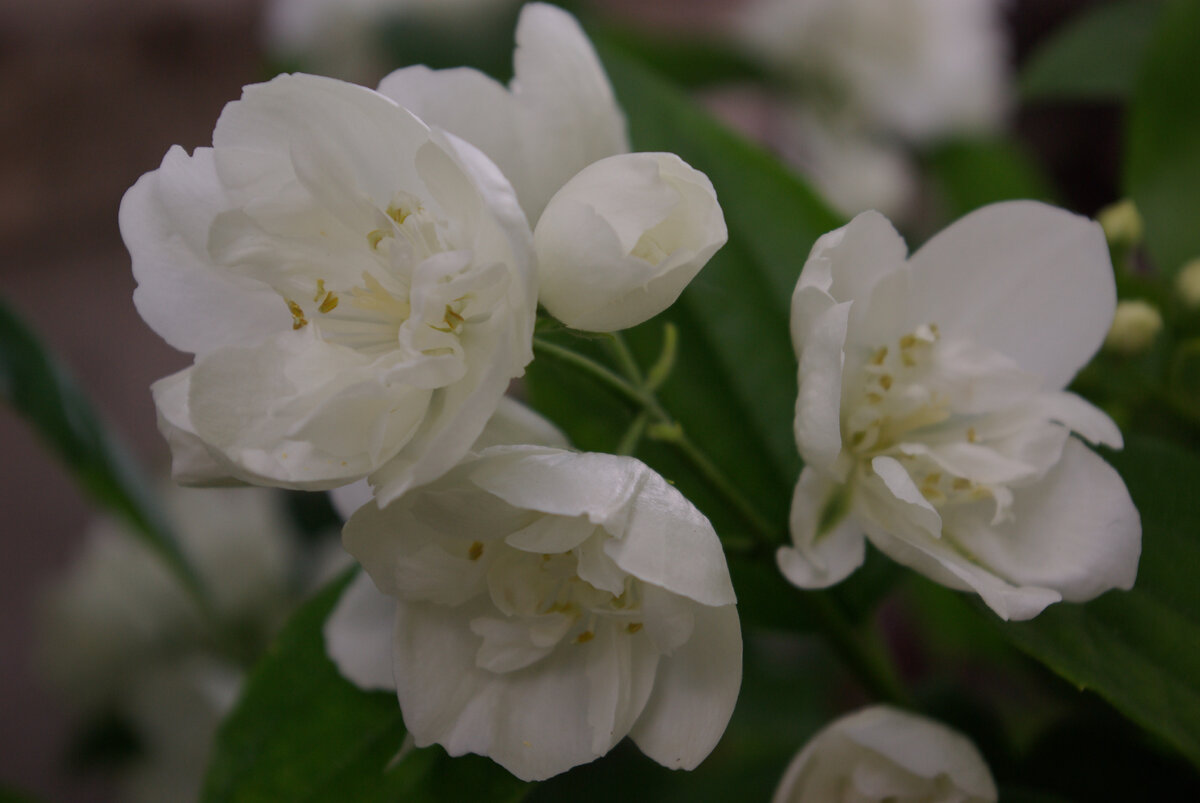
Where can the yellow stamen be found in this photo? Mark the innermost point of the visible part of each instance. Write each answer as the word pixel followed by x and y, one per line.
pixel 329 303
pixel 475 551
pixel 320 290
pixel 298 319
pixel 585 637
pixel 634 627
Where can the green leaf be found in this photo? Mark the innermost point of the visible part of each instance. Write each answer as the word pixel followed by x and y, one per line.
pixel 1094 57
pixel 1140 649
pixel 301 732
pixel 39 388
pixel 1162 169
pixel 968 174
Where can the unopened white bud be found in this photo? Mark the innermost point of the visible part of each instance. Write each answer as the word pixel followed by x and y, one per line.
pixel 1134 327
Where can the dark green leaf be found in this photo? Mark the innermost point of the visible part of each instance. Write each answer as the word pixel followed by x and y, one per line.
pixel 301 732
pixel 38 388
pixel 1140 649
pixel 1163 158
pixel 688 62
pixel 1094 57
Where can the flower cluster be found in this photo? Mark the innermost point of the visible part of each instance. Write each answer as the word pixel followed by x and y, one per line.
pixel 358 274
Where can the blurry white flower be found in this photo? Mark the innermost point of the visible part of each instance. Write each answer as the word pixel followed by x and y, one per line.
pixel 119 635
pixel 547 604
pixel 883 754
pixel 916 68
pixel 358 634
pixel 557 116
pixel 118 610
pixel 1135 325
pixel 852 169
pixel 176 709
pixel 358 290
pixel 620 241
pixel 931 415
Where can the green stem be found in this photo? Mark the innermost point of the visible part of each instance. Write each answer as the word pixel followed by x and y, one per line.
pixel 859 650
pixel 665 429
pixel 865 656
pixel 633 435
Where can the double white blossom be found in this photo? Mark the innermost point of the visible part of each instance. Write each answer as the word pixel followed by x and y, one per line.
pixel 547 604
pixel 358 290
pixel 618 236
pixel 883 754
pixel 931 415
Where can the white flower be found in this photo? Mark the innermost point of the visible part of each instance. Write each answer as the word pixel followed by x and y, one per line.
pixel 118 611
pixel 931 415
pixel 556 117
pixel 549 603
pixel 917 68
pixel 619 242
pixel 358 290
pixel 358 634
pixel 853 169
pixel 883 754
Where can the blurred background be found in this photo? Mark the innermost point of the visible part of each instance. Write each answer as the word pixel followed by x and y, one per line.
pixel 92 94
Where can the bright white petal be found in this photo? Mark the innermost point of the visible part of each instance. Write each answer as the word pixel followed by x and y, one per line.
pixel 847 262
pixel 819 561
pixel 192 462
pixel 818 405
pixel 533 722
pixel 1029 280
pixel 164 220
pixel 1076 531
pixel 694 692
pixel 358 635
pixel 1083 418
pixel 569 115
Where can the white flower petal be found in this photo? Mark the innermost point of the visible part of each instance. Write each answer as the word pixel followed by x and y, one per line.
pixel 820 348
pixel 532 722
pixel 299 412
pixel 164 221
pixel 192 462
pixel 847 263
pixel 1081 417
pixel 558 116
pixel 1076 531
pixel 358 635
pixel 514 423
pixel 993 273
pixel 819 560
pixel 694 692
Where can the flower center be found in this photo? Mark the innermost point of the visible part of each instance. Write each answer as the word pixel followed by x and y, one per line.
pixel 531 586
pixel 902 406
pixel 414 267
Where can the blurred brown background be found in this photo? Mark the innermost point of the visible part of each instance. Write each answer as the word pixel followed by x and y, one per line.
pixel 92 93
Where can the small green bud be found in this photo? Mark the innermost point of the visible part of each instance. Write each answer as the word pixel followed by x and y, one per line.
pixel 1134 327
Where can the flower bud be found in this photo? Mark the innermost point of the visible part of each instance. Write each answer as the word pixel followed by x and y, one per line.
pixel 1187 284
pixel 1121 222
pixel 1134 327
pixel 882 753
pixel 619 242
